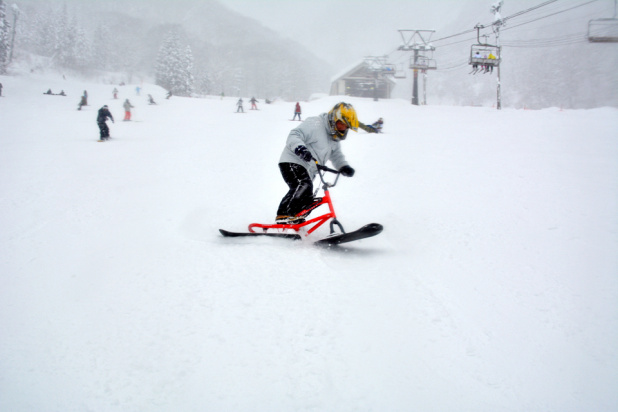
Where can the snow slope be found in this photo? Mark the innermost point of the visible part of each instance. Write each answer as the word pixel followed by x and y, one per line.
pixel 492 288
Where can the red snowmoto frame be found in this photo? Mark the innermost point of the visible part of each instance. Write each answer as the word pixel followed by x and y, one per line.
pixel 314 223
pixel 317 221
pixel 283 230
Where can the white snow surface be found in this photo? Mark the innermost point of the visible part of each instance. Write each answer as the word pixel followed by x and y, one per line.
pixel 494 286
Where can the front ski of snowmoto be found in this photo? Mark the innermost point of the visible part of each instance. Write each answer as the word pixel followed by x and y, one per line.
pixel 293 230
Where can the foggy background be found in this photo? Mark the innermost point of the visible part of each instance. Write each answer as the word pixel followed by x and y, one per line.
pixel 292 49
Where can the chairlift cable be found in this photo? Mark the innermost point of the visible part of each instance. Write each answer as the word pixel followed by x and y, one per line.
pixel 549 15
pixel 517 15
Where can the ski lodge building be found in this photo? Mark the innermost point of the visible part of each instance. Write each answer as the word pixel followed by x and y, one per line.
pixel 361 81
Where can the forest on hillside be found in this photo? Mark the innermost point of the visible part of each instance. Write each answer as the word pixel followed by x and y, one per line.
pixel 191 48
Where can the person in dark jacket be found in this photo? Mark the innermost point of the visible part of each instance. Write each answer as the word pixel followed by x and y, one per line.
pixel 82 103
pixel 104 113
pixel 253 103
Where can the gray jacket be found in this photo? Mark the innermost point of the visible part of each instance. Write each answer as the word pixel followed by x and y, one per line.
pixel 314 133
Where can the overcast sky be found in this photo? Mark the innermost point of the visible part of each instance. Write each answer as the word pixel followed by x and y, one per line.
pixel 342 32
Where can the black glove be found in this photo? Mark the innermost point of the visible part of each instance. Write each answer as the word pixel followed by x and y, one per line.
pixel 347 171
pixel 302 152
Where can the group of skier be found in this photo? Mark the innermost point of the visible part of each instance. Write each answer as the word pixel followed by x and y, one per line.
pixel 240 108
pixel 104 114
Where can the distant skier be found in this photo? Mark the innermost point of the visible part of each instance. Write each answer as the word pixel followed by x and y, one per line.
pixel 115 93
pixel 104 113
pixel 169 94
pixel 239 107
pixel 378 125
pixel 490 66
pixel 137 90
pixel 127 110
pixel 0 89
pixel 82 102
pixel 297 112
pixel 253 103
pixel 151 100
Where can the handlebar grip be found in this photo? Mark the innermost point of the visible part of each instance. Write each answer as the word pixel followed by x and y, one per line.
pixel 326 169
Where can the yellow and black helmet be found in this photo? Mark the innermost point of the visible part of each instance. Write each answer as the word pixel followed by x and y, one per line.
pixel 342 112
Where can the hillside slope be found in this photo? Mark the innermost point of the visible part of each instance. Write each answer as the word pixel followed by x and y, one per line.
pixel 493 286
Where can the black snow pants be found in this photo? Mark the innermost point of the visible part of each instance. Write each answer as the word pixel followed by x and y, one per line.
pixel 300 194
pixel 104 129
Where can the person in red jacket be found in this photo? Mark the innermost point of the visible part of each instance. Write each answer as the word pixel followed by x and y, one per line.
pixel 297 112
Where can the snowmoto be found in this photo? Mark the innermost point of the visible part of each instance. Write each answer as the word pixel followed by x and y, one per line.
pixel 293 230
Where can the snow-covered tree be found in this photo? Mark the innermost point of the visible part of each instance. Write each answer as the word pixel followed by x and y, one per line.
pixel 102 53
pixel 5 39
pixel 64 47
pixel 187 71
pixel 82 48
pixel 174 69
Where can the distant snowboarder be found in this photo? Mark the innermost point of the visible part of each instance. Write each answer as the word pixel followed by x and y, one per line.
pixel 253 103
pixel 378 125
pixel 82 102
pixel 104 113
pixel 239 106
pixel 127 109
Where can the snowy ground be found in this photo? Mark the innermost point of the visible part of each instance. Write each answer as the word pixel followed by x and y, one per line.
pixel 493 287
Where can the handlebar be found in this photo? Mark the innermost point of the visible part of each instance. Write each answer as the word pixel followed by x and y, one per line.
pixel 326 169
pixel 325 184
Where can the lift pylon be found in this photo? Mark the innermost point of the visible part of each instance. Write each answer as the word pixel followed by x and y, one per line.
pixel 417 41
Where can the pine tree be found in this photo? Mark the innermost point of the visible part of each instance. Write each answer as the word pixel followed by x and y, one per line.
pixel 187 71
pixel 5 39
pixel 174 69
pixel 168 72
pixel 82 48
pixel 102 54
pixel 65 40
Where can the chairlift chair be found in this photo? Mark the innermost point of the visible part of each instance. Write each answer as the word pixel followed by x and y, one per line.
pixel 400 72
pixel 603 31
pixel 484 51
pixel 423 63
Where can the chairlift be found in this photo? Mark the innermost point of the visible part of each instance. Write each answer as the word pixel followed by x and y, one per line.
pixel 484 55
pixel 389 69
pixel 400 72
pixel 423 63
pixel 603 31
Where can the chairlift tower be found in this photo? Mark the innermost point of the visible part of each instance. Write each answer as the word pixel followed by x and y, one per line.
pixel 417 41
pixel 495 9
